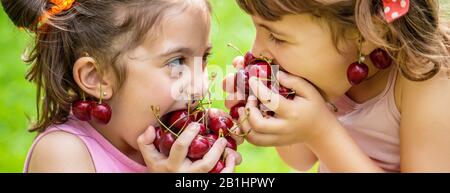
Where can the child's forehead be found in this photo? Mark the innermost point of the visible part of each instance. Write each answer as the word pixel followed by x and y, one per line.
pixel 150 22
pixel 187 27
pixel 185 31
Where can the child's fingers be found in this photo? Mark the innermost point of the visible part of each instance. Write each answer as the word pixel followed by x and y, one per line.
pixel 211 158
pixel 145 143
pixel 234 99
pixel 301 86
pixel 228 83
pixel 237 155
pixel 239 140
pixel 264 140
pixel 238 62
pixel 243 120
pixel 229 164
pixel 180 148
pixel 260 124
pixel 271 100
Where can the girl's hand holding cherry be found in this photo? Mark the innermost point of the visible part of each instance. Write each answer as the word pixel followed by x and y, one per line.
pixel 304 119
pixel 272 117
pixel 197 139
pixel 178 161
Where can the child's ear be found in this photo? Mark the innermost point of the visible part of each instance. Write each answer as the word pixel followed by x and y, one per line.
pixel 91 79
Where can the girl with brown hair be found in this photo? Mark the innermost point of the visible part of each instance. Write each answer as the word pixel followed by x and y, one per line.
pixel 99 65
pixel 382 66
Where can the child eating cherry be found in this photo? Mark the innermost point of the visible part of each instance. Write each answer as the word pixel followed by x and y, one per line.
pixel 107 69
pixel 369 79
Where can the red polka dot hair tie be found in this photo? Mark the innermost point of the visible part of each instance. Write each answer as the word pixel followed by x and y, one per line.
pixel 394 9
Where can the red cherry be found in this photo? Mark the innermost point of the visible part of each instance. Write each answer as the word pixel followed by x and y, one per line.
pixel 196 117
pixel 286 93
pixel 219 120
pixel 262 69
pixel 234 110
pixel 241 82
pixel 166 142
pixel 178 120
pixel 248 59
pixel 380 58
pixel 357 72
pixel 212 138
pixel 218 167
pixel 82 110
pixel 220 124
pixel 203 130
pixel 231 143
pixel 101 113
pixel 198 148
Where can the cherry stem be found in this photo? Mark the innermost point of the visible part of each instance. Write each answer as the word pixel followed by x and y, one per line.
pixel 235 48
pixel 179 119
pixel 205 103
pixel 269 61
pixel 239 124
pixel 189 104
pixel 221 133
pixel 266 79
pixel 155 111
pixel 101 94
pixel 83 96
pixel 360 54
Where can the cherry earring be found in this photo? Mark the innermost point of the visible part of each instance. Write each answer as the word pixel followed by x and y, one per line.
pixel 380 59
pixel 81 109
pixel 358 71
pixel 101 111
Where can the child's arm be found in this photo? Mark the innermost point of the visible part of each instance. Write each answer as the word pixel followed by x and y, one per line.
pixel 60 152
pixel 297 156
pixel 424 132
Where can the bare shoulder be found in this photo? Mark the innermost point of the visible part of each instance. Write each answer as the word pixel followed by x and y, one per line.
pixel 435 91
pixel 61 152
pixel 425 128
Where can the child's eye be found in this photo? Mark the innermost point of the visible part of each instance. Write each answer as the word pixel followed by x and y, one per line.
pixel 176 67
pixel 275 40
pixel 176 62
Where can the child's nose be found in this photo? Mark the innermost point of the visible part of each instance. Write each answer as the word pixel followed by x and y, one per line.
pixel 197 88
pixel 260 52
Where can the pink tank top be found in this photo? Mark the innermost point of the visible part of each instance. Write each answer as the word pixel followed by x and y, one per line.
pixel 374 125
pixel 106 158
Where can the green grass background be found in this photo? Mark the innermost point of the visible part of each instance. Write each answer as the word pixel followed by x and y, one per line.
pixel 17 96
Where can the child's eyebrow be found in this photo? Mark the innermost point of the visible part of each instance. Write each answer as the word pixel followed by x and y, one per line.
pixel 271 29
pixel 171 51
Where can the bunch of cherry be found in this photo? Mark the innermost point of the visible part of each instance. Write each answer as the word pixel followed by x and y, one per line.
pixel 213 123
pixel 86 110
pixel 262 69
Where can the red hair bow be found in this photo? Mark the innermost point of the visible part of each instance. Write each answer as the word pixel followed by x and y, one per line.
pixel 394 9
